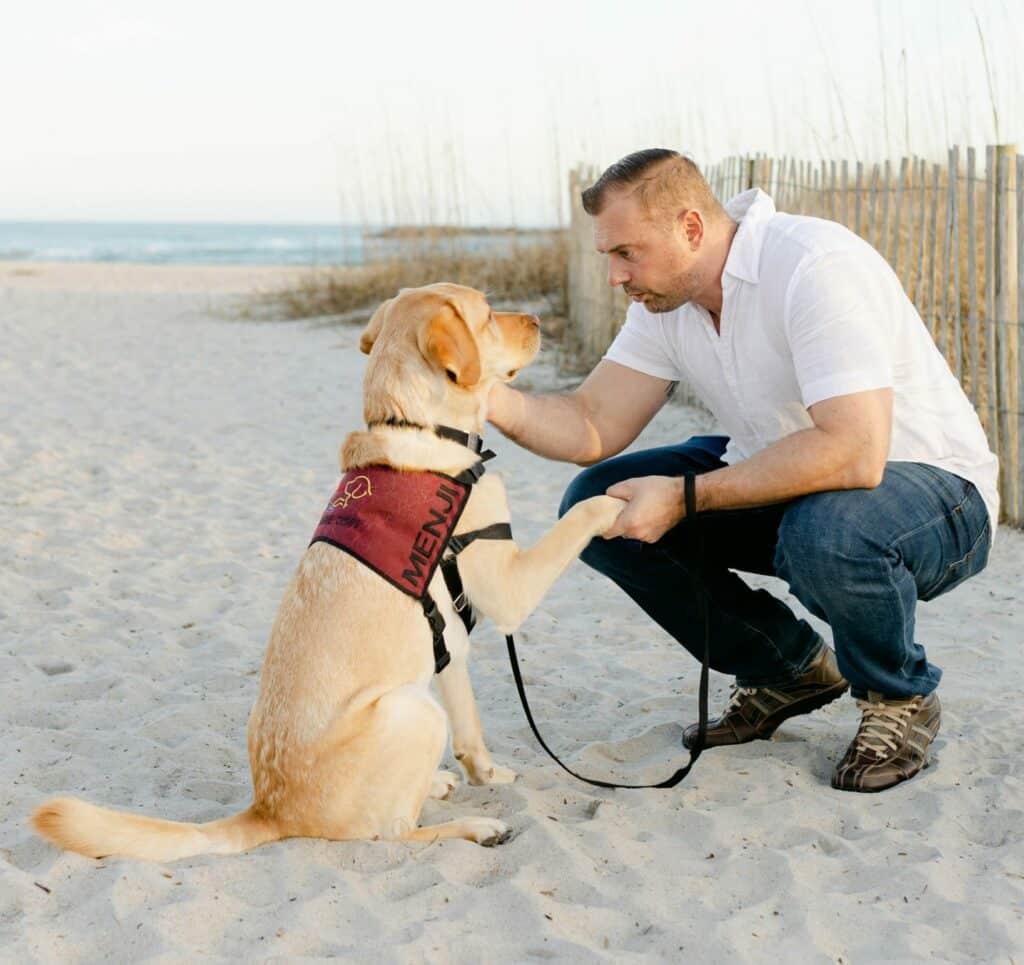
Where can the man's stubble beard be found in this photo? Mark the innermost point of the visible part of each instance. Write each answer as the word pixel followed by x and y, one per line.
pixel 689 284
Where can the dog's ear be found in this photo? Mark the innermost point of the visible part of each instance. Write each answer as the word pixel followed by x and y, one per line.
pixel 373 327
pixel 445 341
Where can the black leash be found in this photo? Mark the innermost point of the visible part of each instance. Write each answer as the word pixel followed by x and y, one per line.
pixel 689 489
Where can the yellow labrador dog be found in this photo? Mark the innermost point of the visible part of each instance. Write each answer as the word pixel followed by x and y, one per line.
pixel 345 738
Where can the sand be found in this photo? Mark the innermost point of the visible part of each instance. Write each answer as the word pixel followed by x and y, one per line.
pixel 162 466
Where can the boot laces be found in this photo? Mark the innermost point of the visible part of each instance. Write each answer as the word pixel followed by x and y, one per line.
pixel 737 695
pixel 883 725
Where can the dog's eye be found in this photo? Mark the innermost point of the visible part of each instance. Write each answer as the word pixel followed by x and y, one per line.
pixel 452 376
pixel 512 372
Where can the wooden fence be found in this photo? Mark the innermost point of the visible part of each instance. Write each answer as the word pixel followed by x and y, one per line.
pixel 953 232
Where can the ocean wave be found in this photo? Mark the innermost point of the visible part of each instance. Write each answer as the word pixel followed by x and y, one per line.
pixel 180 244
pixel 212 244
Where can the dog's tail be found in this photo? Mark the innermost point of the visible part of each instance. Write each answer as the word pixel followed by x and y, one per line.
pixel 97 832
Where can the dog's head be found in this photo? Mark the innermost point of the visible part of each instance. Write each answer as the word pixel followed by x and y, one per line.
pixel 436 351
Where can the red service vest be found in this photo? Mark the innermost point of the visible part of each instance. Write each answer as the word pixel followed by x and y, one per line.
pixel 397 523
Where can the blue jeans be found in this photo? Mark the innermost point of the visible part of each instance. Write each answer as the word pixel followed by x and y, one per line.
pixel 859 559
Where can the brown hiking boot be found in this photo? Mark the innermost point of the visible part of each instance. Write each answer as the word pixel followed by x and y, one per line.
pixel 754 713
pixel 891 745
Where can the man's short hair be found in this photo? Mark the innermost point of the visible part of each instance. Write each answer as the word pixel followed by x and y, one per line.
pixel 663 181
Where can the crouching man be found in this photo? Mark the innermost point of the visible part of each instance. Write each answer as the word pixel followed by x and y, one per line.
pixel 853 465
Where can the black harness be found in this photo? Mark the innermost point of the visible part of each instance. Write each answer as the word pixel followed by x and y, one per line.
pixel 463 607
pixel 455 544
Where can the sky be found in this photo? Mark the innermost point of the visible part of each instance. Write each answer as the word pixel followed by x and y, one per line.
pixel 468 112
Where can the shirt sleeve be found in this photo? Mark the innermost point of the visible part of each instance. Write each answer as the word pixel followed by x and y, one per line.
pixel 640 345
pixel 840 311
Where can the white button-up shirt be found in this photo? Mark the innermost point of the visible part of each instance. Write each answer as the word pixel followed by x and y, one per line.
pixel 810 311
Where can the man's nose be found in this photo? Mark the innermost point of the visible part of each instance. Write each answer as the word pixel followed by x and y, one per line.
pixel 617 275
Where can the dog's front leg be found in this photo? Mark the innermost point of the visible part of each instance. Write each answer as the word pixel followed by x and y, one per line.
pixel 506 583
pixel 456 691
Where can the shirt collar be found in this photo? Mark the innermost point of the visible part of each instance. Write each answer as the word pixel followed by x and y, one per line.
pixel 752 209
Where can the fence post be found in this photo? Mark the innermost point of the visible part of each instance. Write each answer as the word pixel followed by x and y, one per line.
pixel 992 363
pixel 954 233
pixel 858 225
pixel 1007 334
pixel 922 207
pixel 972 282
pixel 1020 327
pixel 595 310
pixel 893 241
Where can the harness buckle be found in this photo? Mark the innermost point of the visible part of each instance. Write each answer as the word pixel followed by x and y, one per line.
pixel 460 602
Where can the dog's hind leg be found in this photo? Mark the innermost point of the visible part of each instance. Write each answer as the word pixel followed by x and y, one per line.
pixel 485 831
pixel 443 784
pixel 387 772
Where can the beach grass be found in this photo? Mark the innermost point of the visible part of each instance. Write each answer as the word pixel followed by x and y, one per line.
pixel 526 266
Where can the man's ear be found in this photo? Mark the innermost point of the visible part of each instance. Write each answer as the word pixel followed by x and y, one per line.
pixel 692 222
pixel 446 343
pixel 373 327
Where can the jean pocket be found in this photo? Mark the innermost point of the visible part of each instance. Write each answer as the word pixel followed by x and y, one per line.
pixel 967 566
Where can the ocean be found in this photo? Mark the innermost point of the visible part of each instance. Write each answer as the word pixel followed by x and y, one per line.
pixel 182 243
pixel 154 243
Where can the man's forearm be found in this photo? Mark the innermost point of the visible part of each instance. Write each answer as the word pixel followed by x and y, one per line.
pixel 805 462
pixel 554 426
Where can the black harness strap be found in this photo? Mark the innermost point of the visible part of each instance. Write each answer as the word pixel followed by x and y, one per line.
pixel 450 568
pixel 450 572
pixel 690 494
pixel 468 477
pixel 495 531
pixel 441 655
pixel 471 440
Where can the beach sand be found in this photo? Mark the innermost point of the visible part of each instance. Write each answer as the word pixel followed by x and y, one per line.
pixel 162 466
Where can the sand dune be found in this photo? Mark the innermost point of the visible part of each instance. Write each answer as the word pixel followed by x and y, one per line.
pixel 161 470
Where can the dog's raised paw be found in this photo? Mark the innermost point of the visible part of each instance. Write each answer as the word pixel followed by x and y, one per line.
pixel 443 783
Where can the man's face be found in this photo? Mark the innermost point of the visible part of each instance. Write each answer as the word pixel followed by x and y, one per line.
pixel 655 263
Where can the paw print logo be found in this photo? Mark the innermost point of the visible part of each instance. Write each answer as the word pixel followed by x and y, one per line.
pixel 355 488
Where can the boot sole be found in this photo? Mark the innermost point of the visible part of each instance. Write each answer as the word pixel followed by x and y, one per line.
pixel 806 705
pixel 882 787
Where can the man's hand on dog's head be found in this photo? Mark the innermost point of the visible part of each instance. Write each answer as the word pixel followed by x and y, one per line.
pixel 654 505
